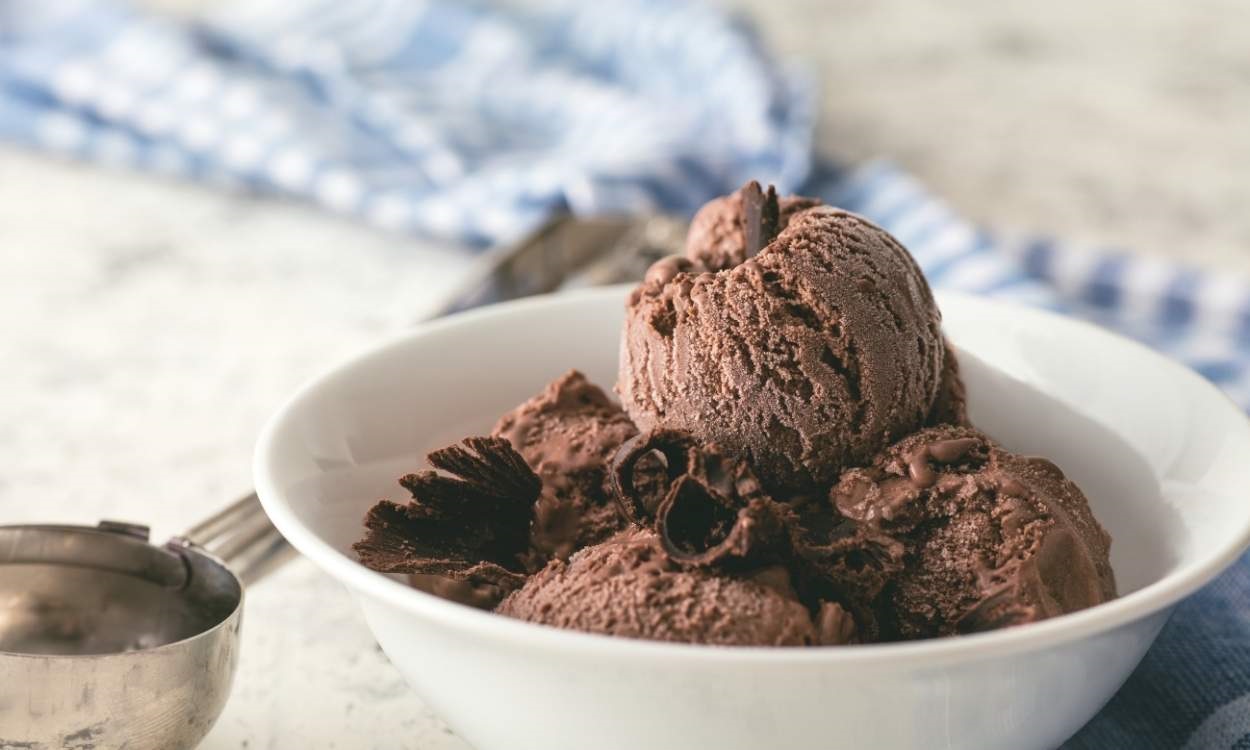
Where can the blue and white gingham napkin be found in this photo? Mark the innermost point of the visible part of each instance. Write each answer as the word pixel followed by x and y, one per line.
pixel 454 119
pixel 474 122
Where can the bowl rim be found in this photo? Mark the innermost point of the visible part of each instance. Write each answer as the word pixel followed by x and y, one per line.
pixel 1153 598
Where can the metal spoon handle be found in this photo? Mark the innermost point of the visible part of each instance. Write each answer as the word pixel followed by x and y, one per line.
pixel 242 537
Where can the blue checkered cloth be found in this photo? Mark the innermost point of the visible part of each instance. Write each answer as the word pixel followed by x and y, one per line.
pixel 454 119
pixel 474 122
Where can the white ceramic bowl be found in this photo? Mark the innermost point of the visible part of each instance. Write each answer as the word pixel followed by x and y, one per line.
pixel 1161 454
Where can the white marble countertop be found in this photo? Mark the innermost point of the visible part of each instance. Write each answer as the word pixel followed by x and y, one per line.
pixel 148 328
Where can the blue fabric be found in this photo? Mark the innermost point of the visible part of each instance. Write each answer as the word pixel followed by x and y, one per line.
pixel 474 122
pixel 450 118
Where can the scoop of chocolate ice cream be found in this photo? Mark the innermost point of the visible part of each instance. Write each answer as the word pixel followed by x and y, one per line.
pixel 806 358
pixel 627 586
pixel 567 434
pixel 992 539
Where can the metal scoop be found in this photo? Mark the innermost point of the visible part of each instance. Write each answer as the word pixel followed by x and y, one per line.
pixel 107 641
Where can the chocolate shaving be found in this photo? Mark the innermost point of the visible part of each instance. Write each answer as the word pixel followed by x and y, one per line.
pixel 471 526
pixel 700 526
pixel 484 469
pixel 397 543
pixel 682 455
pixel 677 449
pixel 692 520
pixel 713 510
pixel 761 217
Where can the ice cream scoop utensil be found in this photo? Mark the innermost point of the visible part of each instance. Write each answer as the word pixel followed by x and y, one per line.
pixel 109 641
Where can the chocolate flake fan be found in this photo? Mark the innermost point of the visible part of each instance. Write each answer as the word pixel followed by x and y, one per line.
pixel 470 526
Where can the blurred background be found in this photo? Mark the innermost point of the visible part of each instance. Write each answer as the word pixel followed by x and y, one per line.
pixel 196 213
pixel 1108 122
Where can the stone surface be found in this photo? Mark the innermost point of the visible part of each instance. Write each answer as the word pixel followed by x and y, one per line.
pixel 148 328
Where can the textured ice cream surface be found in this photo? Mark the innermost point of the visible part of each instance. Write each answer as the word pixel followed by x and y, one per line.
pixel 838 560
pixel 807 358
pixel 991 539
pixel 627 586
pixel 718 232
pixel 566 434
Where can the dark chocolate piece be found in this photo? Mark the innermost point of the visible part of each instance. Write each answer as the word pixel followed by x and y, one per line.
pixel 470 524
pixel 761 217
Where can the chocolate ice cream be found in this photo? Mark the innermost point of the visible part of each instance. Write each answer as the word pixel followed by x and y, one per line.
pixel 628 586
pixel 992 539
pixel 710 511
pixel 566 434
pixel 793 465
pixel 806 358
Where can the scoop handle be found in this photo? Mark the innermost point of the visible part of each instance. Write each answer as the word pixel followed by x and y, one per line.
pixel 242 537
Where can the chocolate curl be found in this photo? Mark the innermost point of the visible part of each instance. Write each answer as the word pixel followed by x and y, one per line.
pixel 679 451
pixel 699 526
pixel 713 511
pixel 761 217
pixel 683 456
